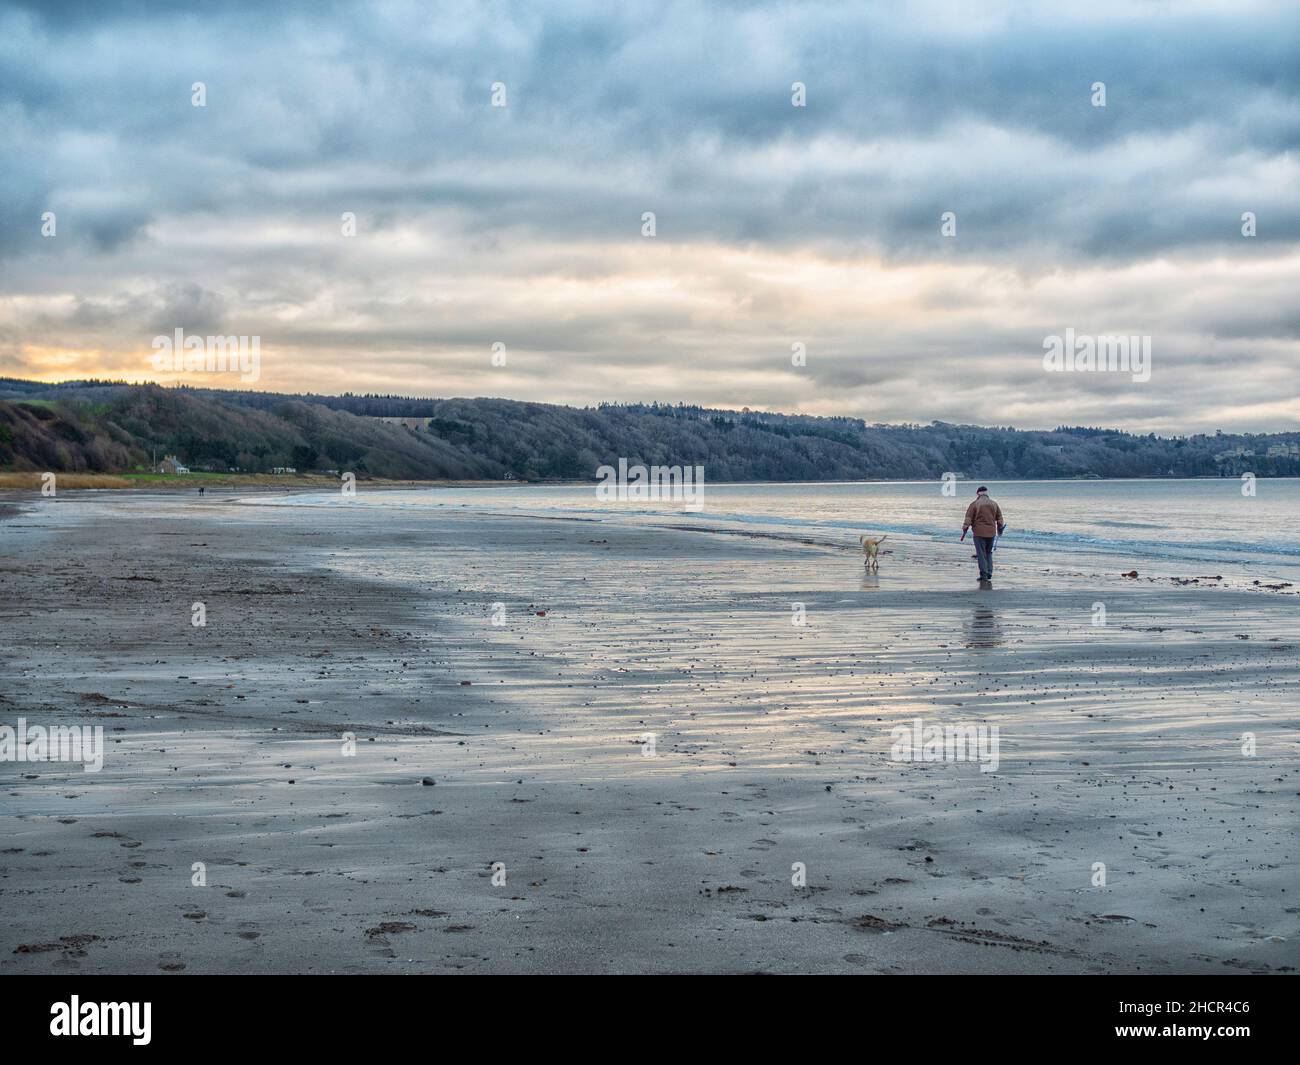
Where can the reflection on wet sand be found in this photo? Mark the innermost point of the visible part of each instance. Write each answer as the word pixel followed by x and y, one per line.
pixel 870 582
pixel 982 628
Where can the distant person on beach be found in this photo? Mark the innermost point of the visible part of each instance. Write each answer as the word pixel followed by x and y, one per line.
pixel 984 518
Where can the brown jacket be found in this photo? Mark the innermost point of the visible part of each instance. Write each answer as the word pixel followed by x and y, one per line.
pixel 984 516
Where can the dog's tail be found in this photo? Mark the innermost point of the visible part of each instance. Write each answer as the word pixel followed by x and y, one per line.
pixel 882 539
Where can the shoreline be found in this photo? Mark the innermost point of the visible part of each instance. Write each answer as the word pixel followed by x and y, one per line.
pixel 20 481
pixel 13 504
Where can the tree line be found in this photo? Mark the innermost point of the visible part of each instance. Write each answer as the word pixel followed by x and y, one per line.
pixel 98 426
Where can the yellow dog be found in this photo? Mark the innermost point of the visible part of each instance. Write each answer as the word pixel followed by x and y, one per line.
pixel 870 548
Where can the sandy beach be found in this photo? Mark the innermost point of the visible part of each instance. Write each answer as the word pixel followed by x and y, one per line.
pixel 605 747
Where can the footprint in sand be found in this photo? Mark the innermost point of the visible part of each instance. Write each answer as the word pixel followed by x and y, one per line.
pixel 378 936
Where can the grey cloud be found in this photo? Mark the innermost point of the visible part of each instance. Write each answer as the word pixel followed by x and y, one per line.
pixel 663 94
pixel 227 216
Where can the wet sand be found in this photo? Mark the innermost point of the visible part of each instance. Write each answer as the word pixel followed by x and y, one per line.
pixel 1119 744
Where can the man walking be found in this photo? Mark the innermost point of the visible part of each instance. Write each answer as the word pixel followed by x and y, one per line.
pixel 984 517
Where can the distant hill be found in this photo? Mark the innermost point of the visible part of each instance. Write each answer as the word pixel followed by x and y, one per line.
pixel 108 427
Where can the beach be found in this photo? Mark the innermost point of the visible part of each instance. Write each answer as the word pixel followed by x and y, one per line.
pixel 485 741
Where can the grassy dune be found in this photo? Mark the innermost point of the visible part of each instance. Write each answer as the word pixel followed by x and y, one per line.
pixel 65 480
pixel 32 480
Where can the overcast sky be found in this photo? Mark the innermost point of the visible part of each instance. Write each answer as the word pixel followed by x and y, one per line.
pixel 775 224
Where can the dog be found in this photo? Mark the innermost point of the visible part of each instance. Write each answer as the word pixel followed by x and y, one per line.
pixel 870 548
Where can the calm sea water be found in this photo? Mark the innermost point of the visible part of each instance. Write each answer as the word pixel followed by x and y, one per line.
pixel 1191 528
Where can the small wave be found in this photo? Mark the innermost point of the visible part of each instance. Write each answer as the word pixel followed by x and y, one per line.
pixel 1209 551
